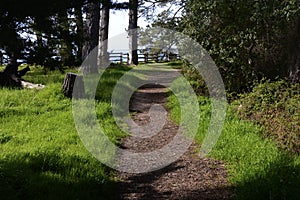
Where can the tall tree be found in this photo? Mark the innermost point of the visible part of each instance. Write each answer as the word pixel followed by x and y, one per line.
pixel 91 34
pixel 103 56
pixel 12 44
pixel 65 39
pixel 79 33
pixel 132 32
pixel 10 40
pixel 32 17
pixel 41 51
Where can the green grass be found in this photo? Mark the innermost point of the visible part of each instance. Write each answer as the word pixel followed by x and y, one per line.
pixel 258 169
pixel 41 154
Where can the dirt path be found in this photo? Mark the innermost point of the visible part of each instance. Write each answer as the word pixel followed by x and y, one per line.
pixel 189 178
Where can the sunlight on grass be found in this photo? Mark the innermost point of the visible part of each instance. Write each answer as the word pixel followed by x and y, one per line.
pixel 41 154
pixel 257 168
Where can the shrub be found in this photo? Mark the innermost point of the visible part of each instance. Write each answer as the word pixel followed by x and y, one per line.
pixel 275 106
pixel 195 79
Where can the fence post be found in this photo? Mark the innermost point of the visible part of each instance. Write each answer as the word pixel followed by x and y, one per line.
pixel 146 57
pixel 127 58
pixel 121 58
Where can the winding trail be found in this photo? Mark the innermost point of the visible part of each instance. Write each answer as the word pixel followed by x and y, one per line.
pixel 189 178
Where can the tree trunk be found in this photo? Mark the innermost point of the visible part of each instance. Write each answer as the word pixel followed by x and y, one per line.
pixel 73 81
pixel 79 34
pixel 103 56
pixel 66 47
pixel 294 69
pixel 10 40
pixel 91 35
pixel 132 32
pixel 1 58
pixel 41 50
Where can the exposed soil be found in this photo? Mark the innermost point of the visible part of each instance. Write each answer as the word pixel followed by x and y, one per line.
pixel 189 178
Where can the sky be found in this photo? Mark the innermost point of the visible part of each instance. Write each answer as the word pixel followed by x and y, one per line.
pixel 118 24
pixel 119 21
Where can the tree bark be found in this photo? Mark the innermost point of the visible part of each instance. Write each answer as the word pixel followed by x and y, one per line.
pixel 294 71
pixel 91 35
pixel 1 58
pixel 72 81
pixel 103 56
pixel 79 34
pixel 132 32
pixel 294 68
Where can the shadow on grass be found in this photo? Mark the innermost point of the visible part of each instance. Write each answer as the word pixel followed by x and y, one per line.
pixel 280 181
pixel 176 64
pixel 43 178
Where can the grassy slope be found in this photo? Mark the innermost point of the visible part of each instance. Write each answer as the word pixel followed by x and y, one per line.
pixel 257 168
pixel 41 155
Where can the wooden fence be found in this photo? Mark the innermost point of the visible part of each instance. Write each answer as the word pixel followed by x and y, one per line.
pixel 124 57
pixel 146 57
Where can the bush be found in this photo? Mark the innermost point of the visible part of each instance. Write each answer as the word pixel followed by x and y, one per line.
pixel 275 106
pixel 195 79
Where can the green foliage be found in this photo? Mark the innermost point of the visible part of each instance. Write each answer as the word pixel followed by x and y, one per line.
pixel 274 105
pixel 195 79
pixel 248 40
pixel 51 33
pixel 41 154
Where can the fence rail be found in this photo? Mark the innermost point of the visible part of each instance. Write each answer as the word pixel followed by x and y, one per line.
pixel 124 57
pixel 146 57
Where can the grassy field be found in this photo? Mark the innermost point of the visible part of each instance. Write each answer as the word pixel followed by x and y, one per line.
pixel 41 154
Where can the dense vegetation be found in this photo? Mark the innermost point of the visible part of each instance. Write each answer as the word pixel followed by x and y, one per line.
pixel 275 106
pixel 248 40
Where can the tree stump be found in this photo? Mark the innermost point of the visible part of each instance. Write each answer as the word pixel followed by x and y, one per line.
pixel 72 81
